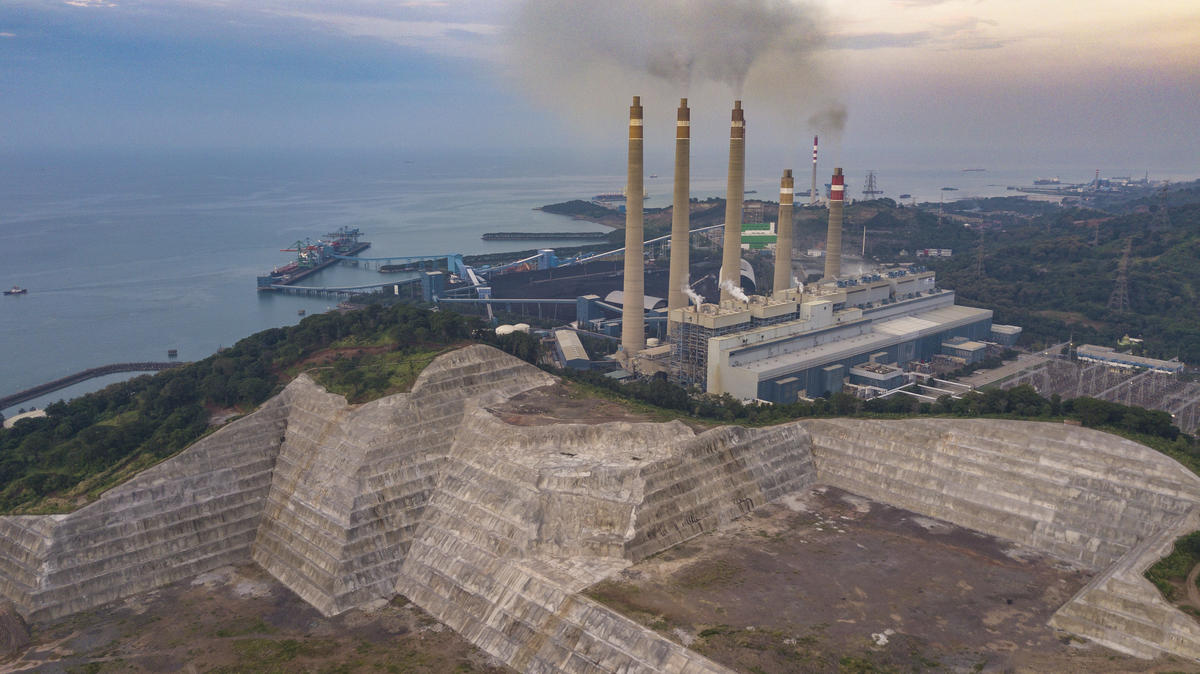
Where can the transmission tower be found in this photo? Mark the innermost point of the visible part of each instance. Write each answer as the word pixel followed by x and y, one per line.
pixel 1162 219
pixel 1119 300
pixel 979 260
pixel 871 190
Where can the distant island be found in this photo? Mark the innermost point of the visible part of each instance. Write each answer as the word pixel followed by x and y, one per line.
pixel 578 208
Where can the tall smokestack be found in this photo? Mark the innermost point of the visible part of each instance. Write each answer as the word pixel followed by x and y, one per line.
pixel 633 328
pixel 731 253
pixel 680 210
pixel 783 235
pixel 833 240
pixel 812 195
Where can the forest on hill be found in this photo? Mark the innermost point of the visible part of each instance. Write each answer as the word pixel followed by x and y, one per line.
pixel 1056 273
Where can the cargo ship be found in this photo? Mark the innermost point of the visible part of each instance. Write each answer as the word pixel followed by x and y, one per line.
pixel 312 257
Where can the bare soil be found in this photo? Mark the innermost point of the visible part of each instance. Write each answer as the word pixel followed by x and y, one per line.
pixel 242 620
pixel 826 581
pixel 561 403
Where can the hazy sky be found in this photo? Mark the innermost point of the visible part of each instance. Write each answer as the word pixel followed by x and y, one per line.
pixel 970 82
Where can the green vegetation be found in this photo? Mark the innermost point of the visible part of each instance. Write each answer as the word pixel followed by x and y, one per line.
pixel 1174 567
pixel 579 208
pixel 1053 274
pixel 270 655
pixel 367 376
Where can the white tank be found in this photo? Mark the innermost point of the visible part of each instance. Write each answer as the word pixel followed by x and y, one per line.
pixel 521 327
pixel 651 342
pixel 505 329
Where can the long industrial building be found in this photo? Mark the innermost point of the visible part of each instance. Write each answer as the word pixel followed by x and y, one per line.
pixel 805 343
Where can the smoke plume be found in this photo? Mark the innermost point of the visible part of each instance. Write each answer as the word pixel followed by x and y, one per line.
pixel 734 290
pixel 574 53
pixel 829 120
pixel 696 297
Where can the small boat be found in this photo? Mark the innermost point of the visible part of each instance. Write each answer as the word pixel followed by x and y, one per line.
pixel 905 196
pixel 653 175
pixel 300 312
pixel 949 189
pixel 16 290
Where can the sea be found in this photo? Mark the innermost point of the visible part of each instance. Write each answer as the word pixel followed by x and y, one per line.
pixel 128 254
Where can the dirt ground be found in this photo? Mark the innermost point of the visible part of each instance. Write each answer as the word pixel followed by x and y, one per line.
pixel 561 403
pixel 242 620
pixel 831 582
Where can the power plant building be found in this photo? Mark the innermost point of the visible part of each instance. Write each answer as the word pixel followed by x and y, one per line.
pixel 807 343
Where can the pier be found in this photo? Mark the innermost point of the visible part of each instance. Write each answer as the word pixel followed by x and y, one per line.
pixel 338 291
pixel 91 373
pixel 454 261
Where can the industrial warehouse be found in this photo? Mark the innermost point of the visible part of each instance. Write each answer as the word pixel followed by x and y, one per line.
pixel 860 332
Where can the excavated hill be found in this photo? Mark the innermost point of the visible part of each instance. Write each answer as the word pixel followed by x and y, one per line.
pixel 495 526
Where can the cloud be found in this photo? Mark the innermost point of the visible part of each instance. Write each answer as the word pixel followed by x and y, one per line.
pixel 8 34
pixel 445 37
pixel 90 3
pixel 882 40
pixel 963 32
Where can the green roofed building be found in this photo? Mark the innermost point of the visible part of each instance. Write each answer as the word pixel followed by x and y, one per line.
pixel 758 235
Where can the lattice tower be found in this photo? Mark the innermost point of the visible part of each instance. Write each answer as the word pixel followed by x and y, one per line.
pixel 1119 300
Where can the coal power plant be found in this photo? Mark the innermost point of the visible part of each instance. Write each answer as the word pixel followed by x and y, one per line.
pixel 711 325
pixel 845 332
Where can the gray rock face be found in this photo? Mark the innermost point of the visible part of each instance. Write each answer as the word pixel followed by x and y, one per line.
pixel 14 633
pixel 494 529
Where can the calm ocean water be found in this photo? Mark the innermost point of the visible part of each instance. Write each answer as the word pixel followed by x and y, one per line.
pixel 128 256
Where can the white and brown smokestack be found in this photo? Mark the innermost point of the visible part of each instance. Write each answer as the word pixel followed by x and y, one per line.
pixel 731 253
pixel 783 234
pixel 680 210
pixel 633 327
pixel 833 239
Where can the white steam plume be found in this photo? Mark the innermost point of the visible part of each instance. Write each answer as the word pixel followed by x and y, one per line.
pixel 696 297
pixel 578 53
pixel 735 291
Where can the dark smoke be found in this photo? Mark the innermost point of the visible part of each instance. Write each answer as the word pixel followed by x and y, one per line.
pixel 830 120
pixel 576 53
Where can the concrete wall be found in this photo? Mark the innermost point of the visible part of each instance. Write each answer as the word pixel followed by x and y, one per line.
pixel 523 518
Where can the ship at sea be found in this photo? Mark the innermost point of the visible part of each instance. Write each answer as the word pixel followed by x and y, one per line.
pixel 313 256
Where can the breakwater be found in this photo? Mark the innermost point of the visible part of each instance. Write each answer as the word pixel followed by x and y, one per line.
pixel 542 236
pixel 84 375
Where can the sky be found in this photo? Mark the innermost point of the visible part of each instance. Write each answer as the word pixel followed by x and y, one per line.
pixel 959 82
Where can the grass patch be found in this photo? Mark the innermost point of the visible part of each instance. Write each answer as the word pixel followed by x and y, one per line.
pixel 1174 568
pixel 367 377
pixel 707 573
pixel 243 627
pixel 270 655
